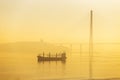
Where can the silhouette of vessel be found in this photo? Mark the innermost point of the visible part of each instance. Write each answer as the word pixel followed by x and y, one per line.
pixel 57 57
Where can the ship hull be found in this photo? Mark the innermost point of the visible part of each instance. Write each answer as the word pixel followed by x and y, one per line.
pixel 51 58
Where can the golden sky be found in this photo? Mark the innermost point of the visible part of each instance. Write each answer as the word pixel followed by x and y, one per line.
pixel 59 20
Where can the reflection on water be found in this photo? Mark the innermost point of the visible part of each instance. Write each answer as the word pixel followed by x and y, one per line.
pixel 62 61
pixel 17 66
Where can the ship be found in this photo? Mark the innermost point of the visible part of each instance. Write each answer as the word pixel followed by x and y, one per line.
pixel 49 57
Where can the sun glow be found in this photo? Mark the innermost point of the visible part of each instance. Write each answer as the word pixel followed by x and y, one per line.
pixel 51 19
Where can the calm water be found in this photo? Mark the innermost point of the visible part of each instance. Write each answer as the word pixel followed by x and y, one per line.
pixel 24 66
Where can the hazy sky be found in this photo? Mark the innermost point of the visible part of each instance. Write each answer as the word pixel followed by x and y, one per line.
pixel 59 20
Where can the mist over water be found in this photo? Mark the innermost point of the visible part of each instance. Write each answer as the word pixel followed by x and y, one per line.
pixel 24 66
pixel 25 24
